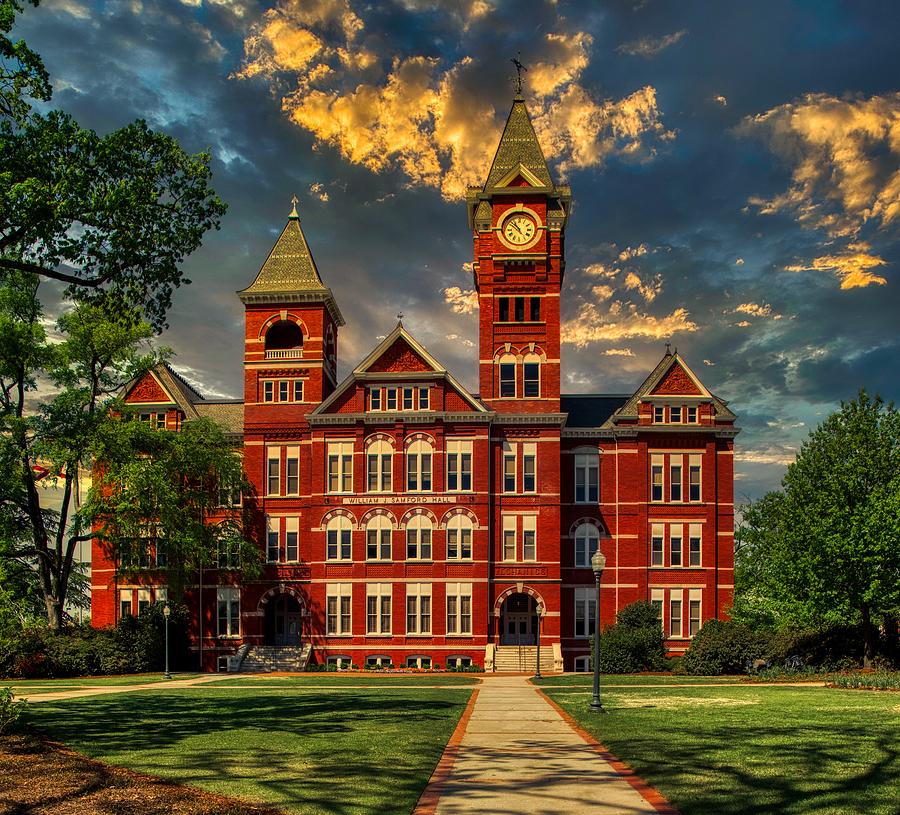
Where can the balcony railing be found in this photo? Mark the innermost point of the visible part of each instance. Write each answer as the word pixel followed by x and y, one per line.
pixel 284 353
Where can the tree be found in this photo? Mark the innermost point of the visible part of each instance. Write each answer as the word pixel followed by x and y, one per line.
pixel 826 549
pixel 162 499
pixel 111 216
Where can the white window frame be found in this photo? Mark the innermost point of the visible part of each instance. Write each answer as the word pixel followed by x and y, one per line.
pixel 381 609
pixel 424 398
pixel 339 468
pixel 695 465
pixel 458 454
pixel 229 623
pixel 658 552
pixel 340 531
pixel 273 536
pixel 420 466
pixel 695 533
pixel 531 359
pixel 375 398
pixel 284 390
pixel 659 414
pixel 379 527
pixel 292 530
pixel 587 541
pixel 509 363
pixel 268 391
pixel 460 527
pixel 695 600
pixel 291 457
pixel 341 610
pixel 658 601
pixel 657 478
pixel 529 454
pixel 676 414
pixel 459 609
pixel 529 538
pixel 417 541
pixel 676 464
pixel 383 454
pixel 676 596
pixel 582 664
pixel 691 414
pixel 587 463
pixel 408 394
pixel 273 454
pixel 585 602
pixel 419 609
pixel 676 550
pixel 510 458
pixel 298 390
pixel 391 399
pixel 510 535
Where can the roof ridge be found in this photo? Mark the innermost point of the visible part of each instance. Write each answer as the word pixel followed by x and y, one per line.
pixel 518 144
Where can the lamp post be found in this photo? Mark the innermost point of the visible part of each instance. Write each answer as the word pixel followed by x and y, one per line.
pixel 166 612
pixel 598 563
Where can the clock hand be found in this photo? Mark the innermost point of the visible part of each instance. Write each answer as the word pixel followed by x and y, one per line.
pixel 516 227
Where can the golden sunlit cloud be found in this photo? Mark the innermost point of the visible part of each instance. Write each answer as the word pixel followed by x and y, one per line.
pixel 618 352
pixel 754 309
pixel 385 111
pixel 647 290
pixel 318 190
pixel 602 292
pixel 648 47
pixel 622 322
pixel 852 268
pixel 460 301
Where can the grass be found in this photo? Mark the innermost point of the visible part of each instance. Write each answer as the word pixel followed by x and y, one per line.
pixel 619 680
pixel 737 750
pixel 349 752
pixel 36 686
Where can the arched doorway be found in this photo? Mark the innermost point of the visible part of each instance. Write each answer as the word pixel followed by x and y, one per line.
pixel 518 620
pixel 283 620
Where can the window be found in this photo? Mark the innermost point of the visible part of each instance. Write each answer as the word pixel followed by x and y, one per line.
pixel 298 390
pixel 459 538
pixel 125 596
pixel 283 390
pixel 343 663
pixel 659 414
pixel 273 471
pixel 408 398
pixel 676 544
pixel 418 466
pixel 229 493
pixel 155 421
pixel 587 478
pixel 587 539
pixel 378 661
pixel 143 600
pixel 292 471
pixel 531 381
pixel 338 603
pixel 379 466
pixel 675 414
pixel 459 608
pixel 535 314
pixel 459 466
pixel 420 663
pixel 424 398
pixel 338 538
pixel 391 398
pixel 228 600
pixel 418 538
pixel 273 544
pixel 509 537
pixel 675 481
pixel 529 537
pixel 503 304
pixel 268 391
pixel 459 661
pixel 582 664
pixel 509 467
pixel 694 539
pixel 378 538
pixel 674 616
pixel 508 377
pixel 340 466
pixel 520 309
pixel 694 619
pixel 418 608
pixel 378 608
pixel 229 552
pixel 657 597
pixel 585 611
pixel 657 539
pixel 691 415
pixel 694 492
pixel 529 468
pixel 375 399
pixel 656 478
pixel 292 540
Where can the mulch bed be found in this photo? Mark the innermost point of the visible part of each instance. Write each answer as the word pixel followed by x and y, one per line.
pixel 43 778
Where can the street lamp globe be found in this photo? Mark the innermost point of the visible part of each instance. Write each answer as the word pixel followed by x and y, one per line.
pixel 598 563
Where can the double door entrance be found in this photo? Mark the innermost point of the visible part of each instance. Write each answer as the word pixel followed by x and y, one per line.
pixel 283 621
pixel 518 620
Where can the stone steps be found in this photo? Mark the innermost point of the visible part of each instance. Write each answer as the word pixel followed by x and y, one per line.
pixel 268 658
pixel 522 659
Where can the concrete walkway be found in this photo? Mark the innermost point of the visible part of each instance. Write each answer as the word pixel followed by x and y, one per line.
pixel 99 690
pixel 519 756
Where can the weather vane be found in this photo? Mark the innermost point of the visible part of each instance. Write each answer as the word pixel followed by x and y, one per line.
pixel 400 317
pixel 294 201
pixel 519 69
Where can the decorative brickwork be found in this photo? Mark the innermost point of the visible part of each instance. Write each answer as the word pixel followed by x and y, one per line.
pixel 148 390
pixel 677 382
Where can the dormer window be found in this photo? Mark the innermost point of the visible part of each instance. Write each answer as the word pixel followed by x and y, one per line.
pixel 675 414
pixel 659 414
pixel 691 415
pixel 391 399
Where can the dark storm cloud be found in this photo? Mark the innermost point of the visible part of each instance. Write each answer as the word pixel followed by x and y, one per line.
pixel 387 241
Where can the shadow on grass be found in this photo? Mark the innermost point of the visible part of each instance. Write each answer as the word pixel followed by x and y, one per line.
pixel 351 752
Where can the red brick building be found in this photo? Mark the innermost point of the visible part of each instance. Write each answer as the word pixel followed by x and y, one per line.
pixel 410 521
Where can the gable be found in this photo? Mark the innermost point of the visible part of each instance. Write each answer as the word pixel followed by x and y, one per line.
pixel 677 381
pixel 148 390
pixel 399 358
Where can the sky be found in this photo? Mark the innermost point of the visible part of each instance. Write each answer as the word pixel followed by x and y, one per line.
pixel 735 169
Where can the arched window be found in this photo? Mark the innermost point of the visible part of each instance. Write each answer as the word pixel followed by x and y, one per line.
pixel 338 538
pixel 418 466
pixel 379 463
pixel 284 340
pixel 418 538
pixel 378 538
pixel 531 376
pixel 459 538
pixel 507 372
pixel 587 539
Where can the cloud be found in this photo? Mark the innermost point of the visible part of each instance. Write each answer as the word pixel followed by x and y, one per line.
pixel 622 322
pixel 844 155
pixel 602 292
pixel 709 362
pixel 601 270
pixel 618 352
pixel 772 454
pixel 649 47
pixel 754 309
pixel 721 100
pixel 852 268
pixel 460 301
pixel 630 252
pixel 744 324
pixel 425 116
pixel 647 290
pixel 739 262
pixel 318 190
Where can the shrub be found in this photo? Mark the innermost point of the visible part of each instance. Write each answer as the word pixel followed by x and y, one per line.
pixel 634 643
pixel 836 648
pixel 723 647
pixel 879 680
pixel 10 710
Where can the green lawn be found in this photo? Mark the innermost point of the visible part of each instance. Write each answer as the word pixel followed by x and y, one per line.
pixel 349 752
pixel 26 686
pixel 618 680
pixel 738 750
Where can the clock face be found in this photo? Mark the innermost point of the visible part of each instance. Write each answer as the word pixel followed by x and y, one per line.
pixel 519 230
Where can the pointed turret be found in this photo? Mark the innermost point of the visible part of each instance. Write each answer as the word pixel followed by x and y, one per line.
pixel 289 274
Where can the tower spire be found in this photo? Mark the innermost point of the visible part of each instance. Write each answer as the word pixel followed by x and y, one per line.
pixel 520 69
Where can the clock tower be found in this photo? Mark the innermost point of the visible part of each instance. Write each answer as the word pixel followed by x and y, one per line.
pixel 518 219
